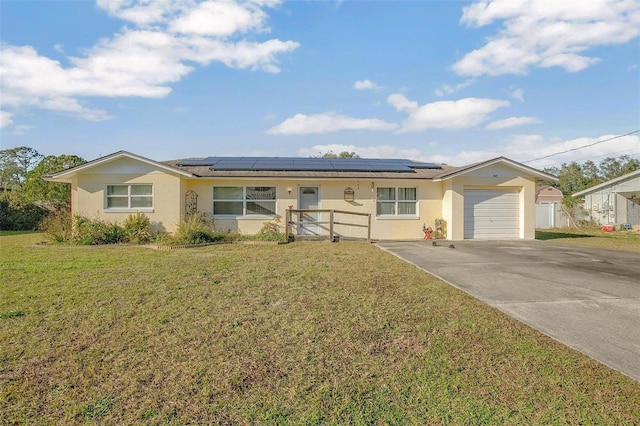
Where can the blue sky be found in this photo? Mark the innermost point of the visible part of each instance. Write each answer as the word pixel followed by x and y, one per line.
pixel 446 81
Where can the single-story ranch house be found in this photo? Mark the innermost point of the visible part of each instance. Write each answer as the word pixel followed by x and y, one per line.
pixel 615 202
pixel 492 199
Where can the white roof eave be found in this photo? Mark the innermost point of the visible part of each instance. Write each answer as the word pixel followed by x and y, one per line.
pixel 528 170
pixel 66 175
pixel 607 183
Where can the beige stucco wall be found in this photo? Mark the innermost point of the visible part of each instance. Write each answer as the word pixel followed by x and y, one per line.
pixel 88 192
pixel 331 197
pixel 496 176
pixel 448 201
pixel 436 199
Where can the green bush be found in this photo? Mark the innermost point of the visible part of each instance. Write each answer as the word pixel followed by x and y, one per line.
pixel 58 227
pixel 161 238
pixel 62 228
pixel 137 228
pixel 17 214
pixel 197 229
pixel 271 231
pixel 94 231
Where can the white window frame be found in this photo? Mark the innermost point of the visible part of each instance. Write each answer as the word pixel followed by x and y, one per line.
pixel 128 197
pixel 244 202
pixel 396 202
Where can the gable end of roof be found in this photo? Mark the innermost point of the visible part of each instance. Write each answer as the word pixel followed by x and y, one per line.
pixel 65 175
pixel 504 160
pixel 607 183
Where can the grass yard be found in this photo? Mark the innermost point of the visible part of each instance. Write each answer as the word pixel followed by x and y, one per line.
pixel 593 237
pixel 305 333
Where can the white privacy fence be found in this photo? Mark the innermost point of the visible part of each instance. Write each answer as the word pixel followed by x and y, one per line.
pixel 552 216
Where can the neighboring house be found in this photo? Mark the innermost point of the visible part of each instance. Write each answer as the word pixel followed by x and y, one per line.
pixel 492 199
pixel 614 202
pixel 548 195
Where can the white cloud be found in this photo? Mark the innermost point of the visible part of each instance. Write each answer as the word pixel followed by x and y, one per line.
pixel 632 67
pixel 219 18
pixel 72 106
pixel 401 103
pixel 543 33
pixel 365 85
pixel 380 151
pixel 517 94
pixel 243 54
pixel 463 113
pixel 5 119
pixel 512 122
pixel 170 40
pixel 447 89
pixel 528 147
pixel 21 129
pixel 518 148
pixel 142 13
pixel 302 124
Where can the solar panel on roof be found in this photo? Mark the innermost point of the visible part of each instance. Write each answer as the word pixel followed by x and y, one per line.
pixel 416 165
pixel 357 167
pixel 309 164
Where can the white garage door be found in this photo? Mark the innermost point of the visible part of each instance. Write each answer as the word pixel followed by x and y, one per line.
pixel 491 214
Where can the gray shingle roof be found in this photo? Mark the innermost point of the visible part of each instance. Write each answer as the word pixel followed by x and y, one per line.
pixel 206 171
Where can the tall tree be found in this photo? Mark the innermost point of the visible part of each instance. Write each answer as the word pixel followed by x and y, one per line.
pixel 571 178
pixel 15 163
pixel 611 168
pixel 629 164
pixel 591 174
pixel 574 177
pixel 37 189
pixel 347 154
pixel 343 154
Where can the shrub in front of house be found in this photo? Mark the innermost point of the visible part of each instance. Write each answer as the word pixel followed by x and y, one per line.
pixel 57 226
pixel 94 232
pixel 17 214
pixel 200 229
pixel 61 227
pixel 137 228
pixel 271 231
pixel 197 229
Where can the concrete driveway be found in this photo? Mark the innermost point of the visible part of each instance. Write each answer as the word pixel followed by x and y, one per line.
pixel 588 299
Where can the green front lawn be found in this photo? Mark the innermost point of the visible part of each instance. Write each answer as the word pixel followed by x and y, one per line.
pixel 7 233
pixel 305 333
pixel 593 237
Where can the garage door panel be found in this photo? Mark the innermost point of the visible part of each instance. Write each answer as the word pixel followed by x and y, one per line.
pixel 492 214
pixel 500 213
pixel 495 222
pixel 509 201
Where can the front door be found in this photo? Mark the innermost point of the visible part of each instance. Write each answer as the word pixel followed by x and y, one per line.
pixel 309 200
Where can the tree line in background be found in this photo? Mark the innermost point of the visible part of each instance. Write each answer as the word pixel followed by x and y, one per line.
pixel 343 154
pixel 575 177
pixel 26 198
